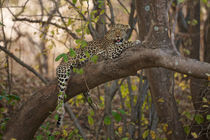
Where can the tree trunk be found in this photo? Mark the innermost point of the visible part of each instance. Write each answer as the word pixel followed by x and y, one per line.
pixel 155 12
pixel 199 87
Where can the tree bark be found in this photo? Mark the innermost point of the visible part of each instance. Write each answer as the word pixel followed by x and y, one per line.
pixel 27 120
pixel 160 79
pixel 199 87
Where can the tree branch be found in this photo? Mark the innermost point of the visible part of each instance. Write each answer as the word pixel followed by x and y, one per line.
pixel 35 111
pixel 47 22
pixel 24 64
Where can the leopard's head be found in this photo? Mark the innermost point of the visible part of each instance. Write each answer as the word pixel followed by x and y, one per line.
pixel 117 33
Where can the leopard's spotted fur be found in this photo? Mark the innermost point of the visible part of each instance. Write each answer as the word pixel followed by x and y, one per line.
pixel 110 47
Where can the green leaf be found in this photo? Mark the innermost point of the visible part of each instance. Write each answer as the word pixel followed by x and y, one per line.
pixel 87 54
pixel 122 111
pixel 72 52
pixel 63 55
pixel 145 134
pixel 83 44
pixel 90 120
pixel 78 41
pixel 107 120
pixel 188 115
pixel 80 71
pixel 94 58
pixel 39 137
pixel 125 138
pixel 92 112
pixel 205 1
pixel 78 30
pixel 117 116
pixel 208 117
pixel 180 1
pixel 69 22
pixel 51 137
pixel 187 129
pixel 56 117
pixel 199 118
pixel 74 1
pixel 13 97
pixel 2 24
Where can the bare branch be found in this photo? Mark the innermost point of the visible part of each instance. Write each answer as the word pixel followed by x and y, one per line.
pixel 123 6
pixel 45 22
pixel 76 123
pixel 111 11
pixel 24 65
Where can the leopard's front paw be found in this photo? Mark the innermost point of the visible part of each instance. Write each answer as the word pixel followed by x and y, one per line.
pixel 137 42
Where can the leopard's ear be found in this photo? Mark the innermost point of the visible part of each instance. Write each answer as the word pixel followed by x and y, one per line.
pixel 111 26
pixel 127 27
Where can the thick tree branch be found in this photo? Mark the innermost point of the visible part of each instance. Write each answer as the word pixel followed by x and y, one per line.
pixel 35 111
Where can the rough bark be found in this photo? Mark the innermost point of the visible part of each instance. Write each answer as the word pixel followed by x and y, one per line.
pixel 199 87
pixel 160 79
pixel 27 120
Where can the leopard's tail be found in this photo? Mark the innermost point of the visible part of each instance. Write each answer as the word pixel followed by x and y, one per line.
pixel 60 108
pixel 62 77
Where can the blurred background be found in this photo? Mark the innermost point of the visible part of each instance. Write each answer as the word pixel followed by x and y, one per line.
pixel 35 32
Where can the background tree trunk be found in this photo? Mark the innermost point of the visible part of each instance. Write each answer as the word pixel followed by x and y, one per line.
pixel 160 79
pixel 199 87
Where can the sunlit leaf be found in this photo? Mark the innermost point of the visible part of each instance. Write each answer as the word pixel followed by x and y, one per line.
pixel 180 1
pixel 208 117
pixel 188 115
pixel 87 54
pixel 120 129
pixel 161 100
pixel 145 134
pixel 94 58
pixel 92 112
pixel 165 127
pixel 187 129
pixel 72 53
pixel 78 30
pixel 83 43
pixel 194 135
pixel 65 133
pixel 90 120
pixel 152 134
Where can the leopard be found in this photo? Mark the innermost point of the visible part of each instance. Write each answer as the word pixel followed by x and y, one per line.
pixel 111 46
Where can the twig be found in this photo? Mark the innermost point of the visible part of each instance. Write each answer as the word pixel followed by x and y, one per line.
pixel 173 29
pixel 45 22
pixel 149 33
pixel 24 65
pixel 7 58
pixel 90 27
pixel 123 6
pixel 111 11
pixel 76 123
